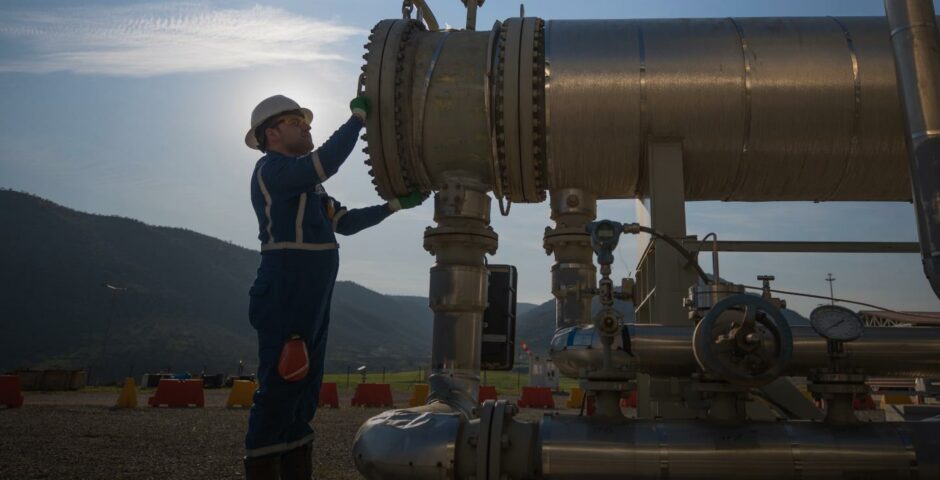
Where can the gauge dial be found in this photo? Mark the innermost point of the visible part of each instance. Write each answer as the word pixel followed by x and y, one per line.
pixel 836 323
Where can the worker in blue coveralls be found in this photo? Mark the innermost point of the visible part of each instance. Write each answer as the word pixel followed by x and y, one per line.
pixel 298 222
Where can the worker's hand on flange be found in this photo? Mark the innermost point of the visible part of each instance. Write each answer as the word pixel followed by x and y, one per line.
pixel 411 200
pixel 360 107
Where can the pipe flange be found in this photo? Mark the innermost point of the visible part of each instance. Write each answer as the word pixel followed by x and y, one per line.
pixel 490 444
pixel 539 136
pixel 494 46
pixel 519 99
pixel 404 71
pixel 390 44
pixel 483 239
pixel 499 137
pixel 372 71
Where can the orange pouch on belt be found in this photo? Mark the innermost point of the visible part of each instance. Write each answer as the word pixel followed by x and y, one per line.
pixel 295 361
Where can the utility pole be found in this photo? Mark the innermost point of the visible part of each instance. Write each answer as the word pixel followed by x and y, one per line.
pixel 832 297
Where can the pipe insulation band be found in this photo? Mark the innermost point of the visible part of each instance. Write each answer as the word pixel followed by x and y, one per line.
pixel 767 108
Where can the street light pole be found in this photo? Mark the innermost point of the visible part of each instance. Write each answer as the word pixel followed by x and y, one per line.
pixel 832 297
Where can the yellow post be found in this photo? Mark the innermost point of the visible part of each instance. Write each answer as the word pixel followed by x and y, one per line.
pixel 128 396
pixel 895 399
pixel 419 395
pixel 241 394
pixel 575 398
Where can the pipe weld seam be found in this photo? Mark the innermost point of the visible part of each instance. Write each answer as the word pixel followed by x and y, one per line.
pixel 912 26
pixel 857 110
pixel 739 176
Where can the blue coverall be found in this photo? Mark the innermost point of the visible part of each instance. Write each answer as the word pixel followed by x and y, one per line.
pixel 291 294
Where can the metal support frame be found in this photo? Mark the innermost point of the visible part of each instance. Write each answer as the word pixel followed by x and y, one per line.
pixel 663 277
pixel 753 246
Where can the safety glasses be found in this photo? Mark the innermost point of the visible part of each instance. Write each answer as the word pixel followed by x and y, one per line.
pixel 292 121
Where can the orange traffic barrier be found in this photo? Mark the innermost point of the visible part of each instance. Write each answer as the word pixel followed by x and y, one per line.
pixel 419 395
pixel 372 395
pixel 178 393
pixel 536 397
pixel 487 392
pixel 11 395
pixel 242 394
pixel 629 401
pixel 329 397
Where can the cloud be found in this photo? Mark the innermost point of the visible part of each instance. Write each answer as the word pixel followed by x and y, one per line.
pixel 163 38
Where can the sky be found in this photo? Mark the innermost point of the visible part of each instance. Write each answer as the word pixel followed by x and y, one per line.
pixel 139 108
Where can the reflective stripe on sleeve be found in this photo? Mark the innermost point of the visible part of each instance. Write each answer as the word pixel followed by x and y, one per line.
pixel 278 447
pixel 318 167
pixel 267 202
pixel 299 221
pixel 338 216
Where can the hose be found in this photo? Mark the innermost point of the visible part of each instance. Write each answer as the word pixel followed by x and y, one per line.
pixel 635 228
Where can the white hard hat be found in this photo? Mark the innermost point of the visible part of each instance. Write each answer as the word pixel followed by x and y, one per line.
pixel 268 108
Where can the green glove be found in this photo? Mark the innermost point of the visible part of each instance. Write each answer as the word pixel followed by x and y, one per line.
pixel 361 106
pixel 411 200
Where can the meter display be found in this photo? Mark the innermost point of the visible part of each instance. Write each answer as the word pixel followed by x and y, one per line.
pixel 836 323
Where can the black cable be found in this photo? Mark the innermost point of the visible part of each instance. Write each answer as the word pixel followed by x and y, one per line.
pixel 840 300
pixel 679 248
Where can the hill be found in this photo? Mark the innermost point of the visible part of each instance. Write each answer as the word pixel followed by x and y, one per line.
pixel 184 306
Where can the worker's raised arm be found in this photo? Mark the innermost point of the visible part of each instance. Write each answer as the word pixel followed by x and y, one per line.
pixel 350 222
pixel 327 159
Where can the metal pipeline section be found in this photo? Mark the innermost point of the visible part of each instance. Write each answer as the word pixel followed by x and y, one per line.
pixel 497 446
pixel 767 108
pixel 573 271
pixel 579 447
pixel 414 442
pixel 917 62
pixel 667 351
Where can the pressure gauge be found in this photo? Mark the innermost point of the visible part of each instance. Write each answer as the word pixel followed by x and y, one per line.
pixel 836 323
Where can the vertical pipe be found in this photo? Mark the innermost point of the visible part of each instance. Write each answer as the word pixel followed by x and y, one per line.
pixel 916 47
pixel 458 293
pixel 574 270
pixel 471 14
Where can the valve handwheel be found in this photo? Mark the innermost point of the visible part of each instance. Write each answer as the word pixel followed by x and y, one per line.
pixel 743 340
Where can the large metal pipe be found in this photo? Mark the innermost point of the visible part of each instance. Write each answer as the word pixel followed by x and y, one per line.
pixel 667 351
pixel 767 108
pixel 403 445
pixel 917 61
pixel 458 293
pixel 579 447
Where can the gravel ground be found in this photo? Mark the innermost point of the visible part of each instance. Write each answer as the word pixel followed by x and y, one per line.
pixel 77 435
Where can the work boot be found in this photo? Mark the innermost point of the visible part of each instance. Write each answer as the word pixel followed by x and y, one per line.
pixel 297 464
pixel 262 468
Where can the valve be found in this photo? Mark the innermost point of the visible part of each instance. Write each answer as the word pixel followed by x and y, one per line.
pixel 743 340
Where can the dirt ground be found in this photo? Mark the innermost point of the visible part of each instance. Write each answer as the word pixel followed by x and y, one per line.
pixel 77 435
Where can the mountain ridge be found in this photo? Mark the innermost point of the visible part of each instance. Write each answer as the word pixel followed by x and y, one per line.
pixel 183 305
